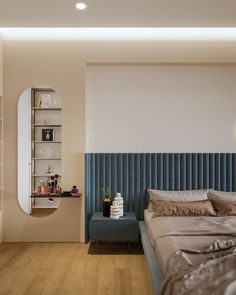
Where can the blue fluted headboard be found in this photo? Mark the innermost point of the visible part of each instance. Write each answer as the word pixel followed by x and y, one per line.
pixel 132 174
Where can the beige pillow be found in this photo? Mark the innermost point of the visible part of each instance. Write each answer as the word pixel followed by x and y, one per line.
pixel 170 208
pixel 224 208
pixel 177 196
pixel 223 196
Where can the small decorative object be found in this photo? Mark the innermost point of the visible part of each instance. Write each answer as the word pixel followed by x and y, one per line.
pixel 43 190
pixel 115 211
pixel 50 200
pixel 106 202
pixel 49 170
pixel 58 190
pixel 74 190
pixel 45 100
pixel 47 134
pixel 42 183
pixel 45 121
pixel 56 180
pixel 56 102
pixel 39 102
pixel 40 188
pixel 120 203
pixel 52 182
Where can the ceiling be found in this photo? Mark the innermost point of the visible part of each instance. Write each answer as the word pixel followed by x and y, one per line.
pixel 122 13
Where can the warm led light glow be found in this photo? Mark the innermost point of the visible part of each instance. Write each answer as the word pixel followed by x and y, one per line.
pixel 121 34
pixel 80 5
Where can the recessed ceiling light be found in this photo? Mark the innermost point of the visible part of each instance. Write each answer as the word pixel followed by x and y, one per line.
pixel 80 5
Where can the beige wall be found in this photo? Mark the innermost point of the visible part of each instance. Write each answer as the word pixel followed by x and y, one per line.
pixel 1 65
pixel 1 194
pixel 62 65
pixel 40 65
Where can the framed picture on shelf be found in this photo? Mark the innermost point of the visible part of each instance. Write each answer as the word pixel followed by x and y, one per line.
pixel 47 134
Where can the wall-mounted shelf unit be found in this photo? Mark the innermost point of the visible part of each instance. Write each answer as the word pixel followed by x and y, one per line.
pixel 45 141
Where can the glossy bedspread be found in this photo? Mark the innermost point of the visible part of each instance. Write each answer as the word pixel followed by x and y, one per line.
pixel 208 271
pixel 170 234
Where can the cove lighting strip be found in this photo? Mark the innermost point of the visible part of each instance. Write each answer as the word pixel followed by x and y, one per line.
pixel 120 34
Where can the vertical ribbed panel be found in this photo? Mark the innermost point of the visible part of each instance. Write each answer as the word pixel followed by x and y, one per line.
pixel 132 174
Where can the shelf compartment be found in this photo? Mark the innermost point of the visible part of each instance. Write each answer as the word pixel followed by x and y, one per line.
pixel 56 196
pixel 44 175
pixel 46 109
pixel 45 159
pixel 46 125
pixel 45 141
pixel 36 89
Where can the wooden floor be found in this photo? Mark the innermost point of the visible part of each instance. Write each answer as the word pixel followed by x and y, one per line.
pixel 66 268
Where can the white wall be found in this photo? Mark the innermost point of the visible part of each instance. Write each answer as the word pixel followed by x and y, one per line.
pixel 161 108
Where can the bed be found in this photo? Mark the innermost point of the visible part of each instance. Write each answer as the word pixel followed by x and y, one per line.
pixel 180 250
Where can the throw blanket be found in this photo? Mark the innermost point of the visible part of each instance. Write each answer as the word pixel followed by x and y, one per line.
pixel 202 272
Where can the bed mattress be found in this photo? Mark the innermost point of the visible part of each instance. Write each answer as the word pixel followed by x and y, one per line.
pixel 171 233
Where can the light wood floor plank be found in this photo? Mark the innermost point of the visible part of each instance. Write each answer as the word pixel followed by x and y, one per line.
pixel 67 269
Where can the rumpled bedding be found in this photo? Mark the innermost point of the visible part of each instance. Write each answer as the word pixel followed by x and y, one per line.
pixel 197 254
pixel 169 234
pixel 214 273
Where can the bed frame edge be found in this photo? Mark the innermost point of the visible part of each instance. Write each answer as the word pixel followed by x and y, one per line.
pixel 152 260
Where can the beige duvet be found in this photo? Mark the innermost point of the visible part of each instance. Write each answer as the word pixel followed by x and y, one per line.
pixel 214 273
pixel 174 238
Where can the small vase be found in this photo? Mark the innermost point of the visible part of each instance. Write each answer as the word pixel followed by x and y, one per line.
pixel 106 206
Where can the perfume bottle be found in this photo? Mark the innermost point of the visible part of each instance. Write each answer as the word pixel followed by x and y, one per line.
pixel 74 190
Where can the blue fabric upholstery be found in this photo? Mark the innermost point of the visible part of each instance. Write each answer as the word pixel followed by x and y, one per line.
pixel 132 174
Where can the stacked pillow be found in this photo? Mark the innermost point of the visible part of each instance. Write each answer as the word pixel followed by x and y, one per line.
pixel 180 203
pixel 224 203
pixel 191 203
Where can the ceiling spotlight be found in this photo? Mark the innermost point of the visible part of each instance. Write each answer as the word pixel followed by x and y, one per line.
pixel 80 5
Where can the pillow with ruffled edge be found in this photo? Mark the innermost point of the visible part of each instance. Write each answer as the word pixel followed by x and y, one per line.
pixel 172 208
pixel 177 196
pixel 224 208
